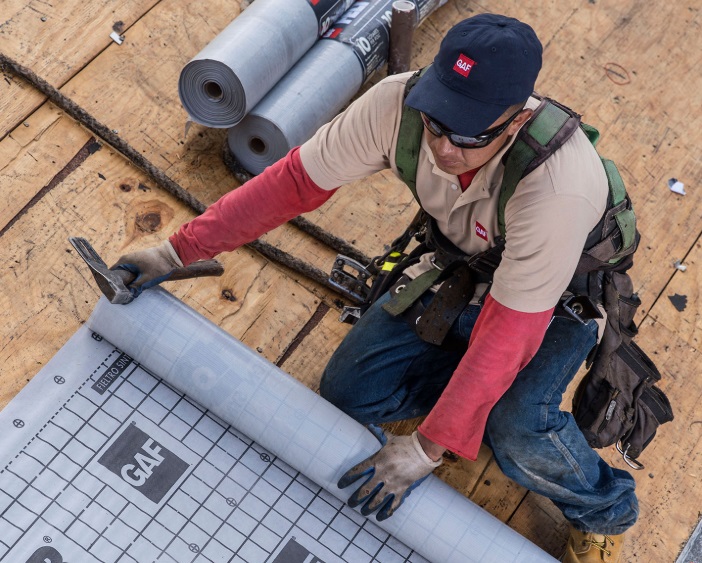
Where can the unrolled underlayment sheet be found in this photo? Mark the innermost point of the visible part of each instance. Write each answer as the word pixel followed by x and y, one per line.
pixel 153 435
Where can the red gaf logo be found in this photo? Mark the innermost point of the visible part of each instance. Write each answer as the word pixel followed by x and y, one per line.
pixel 481 231
pixel 464 65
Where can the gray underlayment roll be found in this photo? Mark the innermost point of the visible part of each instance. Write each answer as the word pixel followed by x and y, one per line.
pixel 318 86
pixel 312 93
pixel 225 80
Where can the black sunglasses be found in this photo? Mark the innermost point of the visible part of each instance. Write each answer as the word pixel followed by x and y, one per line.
pixel 463 142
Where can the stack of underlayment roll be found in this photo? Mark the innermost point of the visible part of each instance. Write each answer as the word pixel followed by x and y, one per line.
pixel 232 73
pixel 269 79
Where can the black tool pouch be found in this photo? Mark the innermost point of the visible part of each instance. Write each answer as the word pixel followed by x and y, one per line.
pixel 617 401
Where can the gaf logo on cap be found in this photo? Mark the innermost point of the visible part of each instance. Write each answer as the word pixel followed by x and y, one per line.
pixel 464 65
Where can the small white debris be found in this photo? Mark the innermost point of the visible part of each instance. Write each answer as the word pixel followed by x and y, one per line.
pixel 676 186
pixel 116 37
pixel 678 265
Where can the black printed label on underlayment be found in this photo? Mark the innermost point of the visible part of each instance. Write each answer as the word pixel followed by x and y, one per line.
pixel 328 11
pixel 112 373
pixel 143 463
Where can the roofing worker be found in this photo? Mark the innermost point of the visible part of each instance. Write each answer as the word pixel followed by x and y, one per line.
pixel 510 359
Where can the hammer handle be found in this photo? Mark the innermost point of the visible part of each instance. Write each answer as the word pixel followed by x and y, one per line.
pixel 198 270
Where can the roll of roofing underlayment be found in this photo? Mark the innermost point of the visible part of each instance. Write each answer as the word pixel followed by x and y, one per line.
pixel 225 80
pixel 292 422
pixel 319 85
pixel 155 435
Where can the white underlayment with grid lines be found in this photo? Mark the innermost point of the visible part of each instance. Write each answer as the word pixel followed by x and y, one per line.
pixel 103 461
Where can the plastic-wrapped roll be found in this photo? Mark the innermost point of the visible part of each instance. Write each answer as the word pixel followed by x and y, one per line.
pixel 319 85
pixel 297 106
pixel 221 84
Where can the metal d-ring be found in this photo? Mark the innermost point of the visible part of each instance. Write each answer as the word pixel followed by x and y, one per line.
pixel 629 461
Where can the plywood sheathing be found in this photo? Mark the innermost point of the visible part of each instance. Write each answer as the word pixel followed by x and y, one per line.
pixel 629 67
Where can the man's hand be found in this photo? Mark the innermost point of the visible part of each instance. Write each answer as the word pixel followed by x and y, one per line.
pixel 151 266
pixel 389 475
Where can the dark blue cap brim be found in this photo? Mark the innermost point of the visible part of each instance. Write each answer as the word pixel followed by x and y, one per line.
pixel 460 113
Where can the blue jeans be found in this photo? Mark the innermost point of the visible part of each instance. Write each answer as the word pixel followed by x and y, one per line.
pixel 383 372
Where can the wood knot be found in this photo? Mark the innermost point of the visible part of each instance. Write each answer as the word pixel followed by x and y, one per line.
pixel 148 222
pixel 228 295
pixel 147 217
pixel 125 187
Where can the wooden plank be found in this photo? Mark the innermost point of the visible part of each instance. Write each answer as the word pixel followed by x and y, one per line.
pixel 680 307
pixel 669 489
pixel 324 333
pixel 497 494
pixel 538 520
pixel 580 38
pixel 34 154
pixel 133 88
pixel 622 64
pixel 56 41
pixel 48 291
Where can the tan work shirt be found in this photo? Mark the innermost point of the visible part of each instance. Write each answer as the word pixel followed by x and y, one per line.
pixel 547 219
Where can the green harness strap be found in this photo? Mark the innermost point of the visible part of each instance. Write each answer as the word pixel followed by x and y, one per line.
pixel 409 140
pixel 547 130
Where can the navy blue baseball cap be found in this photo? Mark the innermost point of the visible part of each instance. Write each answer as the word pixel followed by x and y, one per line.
pixel 485 64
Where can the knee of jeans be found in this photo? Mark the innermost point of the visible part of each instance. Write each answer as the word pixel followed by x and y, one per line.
pixel 512 422
pixel 332 389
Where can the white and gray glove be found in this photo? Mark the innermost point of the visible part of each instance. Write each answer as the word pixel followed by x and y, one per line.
pixel 389 475
pixel 150 266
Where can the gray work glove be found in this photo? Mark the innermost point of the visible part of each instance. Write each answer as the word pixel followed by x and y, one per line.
pixel 151 266
pixel 389 476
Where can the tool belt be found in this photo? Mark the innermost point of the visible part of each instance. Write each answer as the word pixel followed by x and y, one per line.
pixel 617 401
pixel 459 274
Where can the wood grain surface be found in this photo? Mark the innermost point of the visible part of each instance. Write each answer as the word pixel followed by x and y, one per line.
pixel 631 67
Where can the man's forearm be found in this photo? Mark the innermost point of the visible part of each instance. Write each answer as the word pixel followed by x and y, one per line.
pixel 278 194
pixel 502 343
pixel 432 449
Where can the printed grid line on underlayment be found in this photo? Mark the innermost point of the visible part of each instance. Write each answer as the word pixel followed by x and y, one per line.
pixel 235 502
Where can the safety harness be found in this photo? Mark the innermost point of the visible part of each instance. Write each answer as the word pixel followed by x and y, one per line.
pixel 609 246
pixel 617 401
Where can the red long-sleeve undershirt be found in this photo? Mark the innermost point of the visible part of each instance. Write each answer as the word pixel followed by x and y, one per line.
pixel 502 343
pixel 282 191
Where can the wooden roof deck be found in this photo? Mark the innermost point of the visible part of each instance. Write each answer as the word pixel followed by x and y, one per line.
pixel 630 66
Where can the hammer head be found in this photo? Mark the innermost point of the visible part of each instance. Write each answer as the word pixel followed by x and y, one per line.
pixel 112 283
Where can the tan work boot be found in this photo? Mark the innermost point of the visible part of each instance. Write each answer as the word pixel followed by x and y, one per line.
pixel 586 547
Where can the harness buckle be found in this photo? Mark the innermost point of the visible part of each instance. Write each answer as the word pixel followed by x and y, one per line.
pixel 580 308
pixel 350 278
pixel 434 264
pixel 350 315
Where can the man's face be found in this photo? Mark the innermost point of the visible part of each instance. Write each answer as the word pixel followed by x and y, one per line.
pixel 454 160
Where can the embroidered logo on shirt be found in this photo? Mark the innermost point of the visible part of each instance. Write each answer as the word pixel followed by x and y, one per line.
pixel 481 231
pixel 464 65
